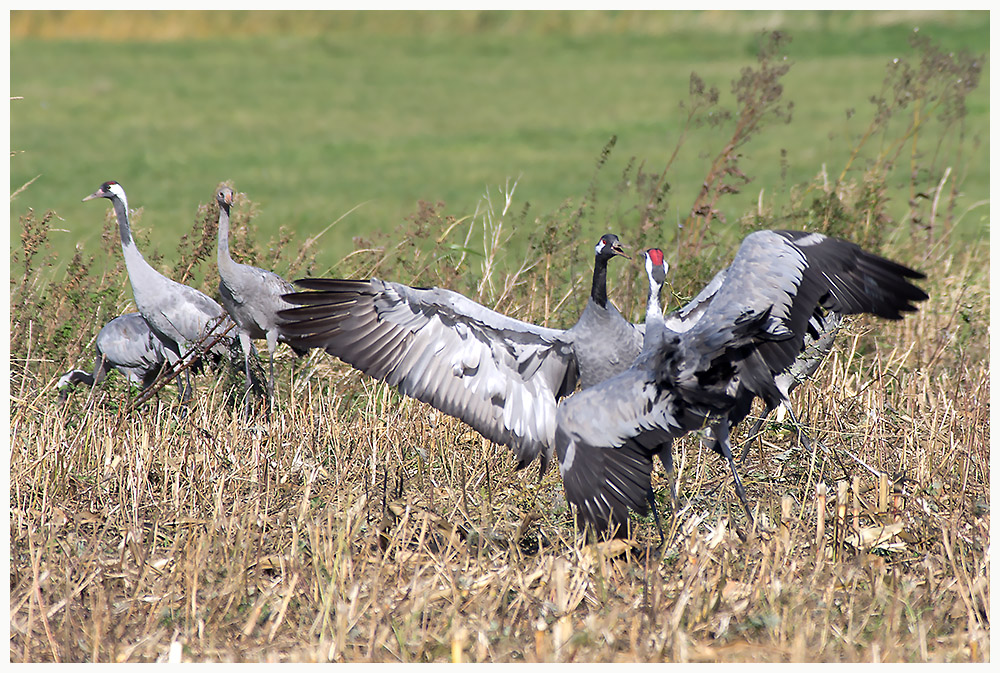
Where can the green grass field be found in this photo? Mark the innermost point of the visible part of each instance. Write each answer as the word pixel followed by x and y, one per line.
pixel 368 114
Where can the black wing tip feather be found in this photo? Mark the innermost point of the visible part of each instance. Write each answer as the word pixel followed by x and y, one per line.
pixel 605 483
pixel 869 283
pixel 898 295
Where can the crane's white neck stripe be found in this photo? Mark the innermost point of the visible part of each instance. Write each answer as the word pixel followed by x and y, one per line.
pixel 117 190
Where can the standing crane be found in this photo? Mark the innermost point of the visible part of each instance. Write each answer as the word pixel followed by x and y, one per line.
pixel 179 315
pixel 251 296
pixel 749 330
pixel 127 344
pixel 502 376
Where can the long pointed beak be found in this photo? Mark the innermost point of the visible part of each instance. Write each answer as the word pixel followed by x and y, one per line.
pixel 96 195
pixel 618 250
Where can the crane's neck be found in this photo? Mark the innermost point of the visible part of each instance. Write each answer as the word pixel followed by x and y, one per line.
pixel 225 260
pixel 654 315
pixel 75 376
pixel 599 288
pixel 135 263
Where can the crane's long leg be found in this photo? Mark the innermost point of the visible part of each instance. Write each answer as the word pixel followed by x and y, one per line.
pixel 184 378
pixel 666 454
pixel 756 429
pixel 270 378
pixel 721 432
pixel 270 383
pixel 245 345
pixel 666 457
pixel 272 345
pixel 656 515
pixel 803 436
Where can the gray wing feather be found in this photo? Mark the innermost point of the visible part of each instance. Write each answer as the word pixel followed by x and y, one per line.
pixel 606 437
pixel 788 275
pixel 500 375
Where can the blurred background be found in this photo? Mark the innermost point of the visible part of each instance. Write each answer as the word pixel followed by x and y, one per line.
pixel 358 116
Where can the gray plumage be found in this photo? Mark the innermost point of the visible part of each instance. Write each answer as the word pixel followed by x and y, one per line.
pixel 623 474
pixel 179 315
pixel 126 344
pixel 604 343
pixel 251 296
pixel 750 327
pixel 502 376
pixel 823 330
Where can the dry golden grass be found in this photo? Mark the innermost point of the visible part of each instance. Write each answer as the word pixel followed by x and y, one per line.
pixel 356 525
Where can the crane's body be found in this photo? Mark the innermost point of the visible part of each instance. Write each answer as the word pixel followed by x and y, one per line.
pixel 252 296
pixel 126 344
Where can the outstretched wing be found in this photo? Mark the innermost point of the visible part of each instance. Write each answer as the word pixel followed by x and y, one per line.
pixel 790 274
pixel 501 376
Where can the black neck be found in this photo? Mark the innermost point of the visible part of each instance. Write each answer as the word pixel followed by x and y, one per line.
pixel 122 215
pixel 599 288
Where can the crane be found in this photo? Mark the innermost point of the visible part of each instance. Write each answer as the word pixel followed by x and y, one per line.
pixel 749 328
pixel 127 344
pixel 251 296
pixel 179 315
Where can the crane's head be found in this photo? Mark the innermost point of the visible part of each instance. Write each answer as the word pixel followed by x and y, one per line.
pixel 109 190
pixel 225 196
pixel 608 247
pixel 656 266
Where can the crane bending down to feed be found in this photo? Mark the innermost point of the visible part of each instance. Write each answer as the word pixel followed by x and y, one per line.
pixel 251 296
pixel 502 376
pixel 749 332
pixel 127 344
pixel 179 315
